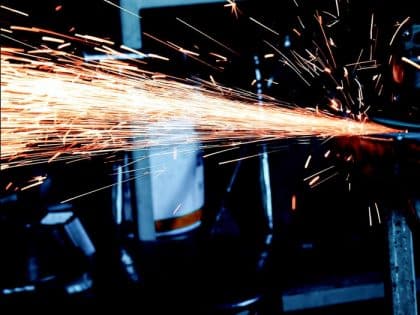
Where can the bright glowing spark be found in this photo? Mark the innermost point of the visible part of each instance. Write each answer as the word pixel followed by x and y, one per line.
pixel 31 185
pixel 36 181
pixel 241 158
pixel 377 213
pixel 307 161
pixel 266 56
pixel 371 27
pixel 296 32
pixel 14 10
pixel 53 39
pixel 156 56
pixel 293 202
pixel 16 41
pixel 317 183
pixel 122 9
pixel 264 26
pixel 233 7
pixel 175 47
pixel 330 14
pixel 319 173
pixel 372 41
pixel 64 45
pixel 219 152
pixel 411 63
pixel 300 22
pixel 95 39
pixel 319 19
pixel 177 209
pixel 8 186
pixel 184 50
pixel 313 180
pixel 218 56
pixel 134 51
pixel 99 189
pixel 207 36
pixel 212 80
pixel 6 30
pixel 370 216
pixel 398 29
pixel 338 7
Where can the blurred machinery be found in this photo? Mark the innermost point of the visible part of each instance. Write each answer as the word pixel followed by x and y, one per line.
pixel 47 253
pixel 166 194
pixel 405 71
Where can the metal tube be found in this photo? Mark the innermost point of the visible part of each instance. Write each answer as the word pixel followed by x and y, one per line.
pixel 265 182
pixel 401 284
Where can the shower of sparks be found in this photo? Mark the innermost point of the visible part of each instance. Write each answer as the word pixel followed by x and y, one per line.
pixel 315 59
pixel 55 106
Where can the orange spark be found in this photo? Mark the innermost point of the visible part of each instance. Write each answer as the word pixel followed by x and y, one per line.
pixel 233 7
pixel 293 202
pixel 314 180
pixel 8 186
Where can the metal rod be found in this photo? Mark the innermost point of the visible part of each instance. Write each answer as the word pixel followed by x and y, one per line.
pixel 401 284
pixel 265 183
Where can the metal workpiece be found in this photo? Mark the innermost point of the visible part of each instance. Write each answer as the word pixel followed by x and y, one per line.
pixel 401 285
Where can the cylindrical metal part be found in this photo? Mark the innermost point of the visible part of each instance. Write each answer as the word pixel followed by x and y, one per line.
pixel 401 286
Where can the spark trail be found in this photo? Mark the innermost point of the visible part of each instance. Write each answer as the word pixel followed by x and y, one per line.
pixel 55 106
